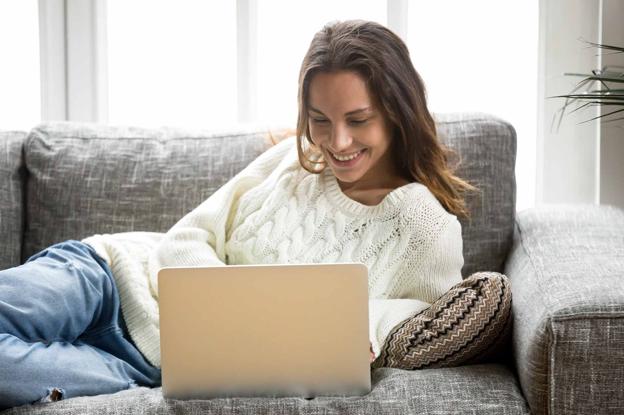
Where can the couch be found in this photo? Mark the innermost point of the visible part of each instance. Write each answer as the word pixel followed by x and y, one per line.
pixel 66 180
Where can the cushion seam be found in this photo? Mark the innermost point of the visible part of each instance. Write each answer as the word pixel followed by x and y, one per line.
pixel 536 269
pixel 551 341
pixel 589 316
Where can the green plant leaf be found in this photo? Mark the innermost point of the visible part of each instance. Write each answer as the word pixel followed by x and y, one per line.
pixel 594 90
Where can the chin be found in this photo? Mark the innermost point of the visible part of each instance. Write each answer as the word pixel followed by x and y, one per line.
pixel 347 178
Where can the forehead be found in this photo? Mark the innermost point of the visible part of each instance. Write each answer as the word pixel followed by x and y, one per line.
pixel 341 91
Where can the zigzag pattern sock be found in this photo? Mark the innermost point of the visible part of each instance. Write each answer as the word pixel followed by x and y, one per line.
pixel 466 325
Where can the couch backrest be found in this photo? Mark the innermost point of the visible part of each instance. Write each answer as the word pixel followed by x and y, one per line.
pixel 487 147
pixel 87 178
pixel 12 173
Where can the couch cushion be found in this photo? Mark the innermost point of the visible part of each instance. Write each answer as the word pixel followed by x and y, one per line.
pixel 478 389
pixel 487 147
pixel 88 178
pixel 11 196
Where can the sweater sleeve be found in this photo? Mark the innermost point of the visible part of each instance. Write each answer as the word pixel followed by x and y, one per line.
pixel 437 271
pixel 198 239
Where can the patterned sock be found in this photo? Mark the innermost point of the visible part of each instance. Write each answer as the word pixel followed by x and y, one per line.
pixel 468 324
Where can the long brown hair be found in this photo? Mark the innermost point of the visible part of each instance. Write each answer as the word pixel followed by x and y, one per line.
pixel 381 58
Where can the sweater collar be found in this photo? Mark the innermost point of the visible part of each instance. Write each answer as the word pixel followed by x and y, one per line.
pixel 335 195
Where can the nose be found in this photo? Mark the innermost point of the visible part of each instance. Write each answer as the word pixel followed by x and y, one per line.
pixel 340 138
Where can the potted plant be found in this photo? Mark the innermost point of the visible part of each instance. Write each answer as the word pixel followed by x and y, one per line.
pixel 603 88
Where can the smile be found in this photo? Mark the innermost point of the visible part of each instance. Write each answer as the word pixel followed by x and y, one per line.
pixel 346 158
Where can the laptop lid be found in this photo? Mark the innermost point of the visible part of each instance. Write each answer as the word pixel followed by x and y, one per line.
pixel 264 330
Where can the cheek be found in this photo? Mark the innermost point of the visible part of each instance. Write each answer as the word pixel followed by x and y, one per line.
pixel 379 135
pixel 372 134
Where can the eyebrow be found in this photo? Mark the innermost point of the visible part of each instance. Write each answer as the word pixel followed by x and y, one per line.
pixel 357 111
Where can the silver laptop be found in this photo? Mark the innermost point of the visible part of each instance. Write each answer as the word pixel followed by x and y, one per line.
pixel 264 330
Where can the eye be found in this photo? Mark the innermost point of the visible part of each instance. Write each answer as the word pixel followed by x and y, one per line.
pixel 358 122
pixel 318 120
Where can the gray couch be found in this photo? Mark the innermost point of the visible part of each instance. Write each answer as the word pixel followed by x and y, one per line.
pixel 565 262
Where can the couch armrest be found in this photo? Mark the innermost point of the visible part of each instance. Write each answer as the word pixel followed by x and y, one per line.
pixel 566 269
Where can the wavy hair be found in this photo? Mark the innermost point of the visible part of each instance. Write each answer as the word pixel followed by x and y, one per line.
pixel 381 58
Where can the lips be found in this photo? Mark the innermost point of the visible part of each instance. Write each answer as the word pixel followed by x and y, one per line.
pixel 347 163
pixel 346 155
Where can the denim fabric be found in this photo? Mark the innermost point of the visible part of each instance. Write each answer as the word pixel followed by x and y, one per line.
pixel 61 330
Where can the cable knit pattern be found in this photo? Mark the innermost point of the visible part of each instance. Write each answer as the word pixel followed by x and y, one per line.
pixel 276 212
pixel 126 255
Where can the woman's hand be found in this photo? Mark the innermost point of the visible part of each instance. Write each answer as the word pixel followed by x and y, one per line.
pixel 372 354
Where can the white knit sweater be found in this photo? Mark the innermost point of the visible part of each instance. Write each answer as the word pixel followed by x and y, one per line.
pixel 274 211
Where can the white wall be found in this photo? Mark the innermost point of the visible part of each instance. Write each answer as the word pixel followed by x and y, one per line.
pixel 611 188
pixel 577 162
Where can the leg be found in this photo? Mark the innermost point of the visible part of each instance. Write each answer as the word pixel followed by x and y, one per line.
pixel 35 370
pixel 60 327
pixel 466 325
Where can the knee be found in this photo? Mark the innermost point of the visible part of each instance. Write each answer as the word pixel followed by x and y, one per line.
pixel 488 276
pixel 487 280
pixel 491 289
pixel 11 396
pixel 17 364
pixel 52 395
pixel 469 324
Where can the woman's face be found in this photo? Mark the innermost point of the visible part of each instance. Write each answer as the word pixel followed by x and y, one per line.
pixel 344 122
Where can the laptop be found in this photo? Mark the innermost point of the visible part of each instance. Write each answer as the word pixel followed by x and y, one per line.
pixel 264 330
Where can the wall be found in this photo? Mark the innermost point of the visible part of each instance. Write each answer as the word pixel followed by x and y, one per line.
pixel 611 189
pixel 577 161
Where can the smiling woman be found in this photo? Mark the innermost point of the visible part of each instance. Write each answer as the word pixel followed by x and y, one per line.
pixel 353 104
pixel 384 197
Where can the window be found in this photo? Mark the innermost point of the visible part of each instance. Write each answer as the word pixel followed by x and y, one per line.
pixel 176 62
pixel 172 62
pixel 20 96
pixel 285 30
pixel 481 56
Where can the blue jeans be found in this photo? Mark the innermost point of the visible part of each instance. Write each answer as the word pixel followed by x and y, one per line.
pixel 61 330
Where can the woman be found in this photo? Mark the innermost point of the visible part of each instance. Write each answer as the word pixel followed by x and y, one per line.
pixel 365 179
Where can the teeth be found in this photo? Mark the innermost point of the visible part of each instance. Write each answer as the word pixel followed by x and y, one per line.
pixel 347 158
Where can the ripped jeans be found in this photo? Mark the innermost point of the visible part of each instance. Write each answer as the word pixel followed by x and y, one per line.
pixel 61 330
